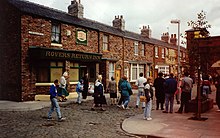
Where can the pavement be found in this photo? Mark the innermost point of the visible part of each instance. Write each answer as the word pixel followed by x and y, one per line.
pixel 162 125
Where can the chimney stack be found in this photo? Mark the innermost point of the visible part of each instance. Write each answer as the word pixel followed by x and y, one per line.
pixel 146 31
pixel 76 9
pixel 119 22
pixel 173 39
pixel 165 37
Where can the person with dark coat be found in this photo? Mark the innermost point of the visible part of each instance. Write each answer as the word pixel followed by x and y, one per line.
pixel 170 87
pixel 159 91
pixel 85 86
pixel 217 85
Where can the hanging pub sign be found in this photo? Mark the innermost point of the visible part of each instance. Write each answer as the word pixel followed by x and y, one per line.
pixel 81 37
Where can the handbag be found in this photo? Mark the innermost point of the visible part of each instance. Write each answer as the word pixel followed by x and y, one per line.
pixel 143 98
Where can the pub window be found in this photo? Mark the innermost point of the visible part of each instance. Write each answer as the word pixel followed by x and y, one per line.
pixel 49 71
pixel 105 43
pixel 55 33
pixel 74 72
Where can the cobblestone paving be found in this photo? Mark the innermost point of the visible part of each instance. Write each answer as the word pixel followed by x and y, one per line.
pixel 81 122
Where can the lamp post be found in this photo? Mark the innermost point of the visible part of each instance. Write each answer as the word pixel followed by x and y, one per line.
pixel 178 55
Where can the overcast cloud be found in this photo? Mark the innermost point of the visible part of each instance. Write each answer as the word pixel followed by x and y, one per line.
pixel 155 13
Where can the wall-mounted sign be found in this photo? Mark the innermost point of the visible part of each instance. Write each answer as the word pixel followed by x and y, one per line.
pixel 81 37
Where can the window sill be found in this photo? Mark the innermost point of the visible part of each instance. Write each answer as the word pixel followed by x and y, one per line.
pixel 105 51
pixel 55 44
pixel 49 84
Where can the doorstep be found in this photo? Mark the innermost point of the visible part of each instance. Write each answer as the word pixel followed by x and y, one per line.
pixel 44 97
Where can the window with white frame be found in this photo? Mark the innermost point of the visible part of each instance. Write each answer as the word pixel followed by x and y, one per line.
pixel 111 70
pixel 55 33
pixel 136 69
pixel 156 52
pixel 105 42
pixel 164 69
pixel 136 48
pixel 142 50
pixel 163 52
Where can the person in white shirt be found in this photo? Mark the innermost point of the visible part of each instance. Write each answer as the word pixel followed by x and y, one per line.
pixel 140 83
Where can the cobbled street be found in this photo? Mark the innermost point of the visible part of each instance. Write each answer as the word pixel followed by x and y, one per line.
pixel 80 122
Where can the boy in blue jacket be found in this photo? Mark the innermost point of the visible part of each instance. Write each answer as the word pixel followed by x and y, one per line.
pixel 54 103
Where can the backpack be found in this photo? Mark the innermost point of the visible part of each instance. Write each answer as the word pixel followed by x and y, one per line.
pixel 186 87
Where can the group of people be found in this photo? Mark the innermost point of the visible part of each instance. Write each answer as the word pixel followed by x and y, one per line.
pixel 165 91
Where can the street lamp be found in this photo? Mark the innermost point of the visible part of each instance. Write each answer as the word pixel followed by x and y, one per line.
pixel 178 55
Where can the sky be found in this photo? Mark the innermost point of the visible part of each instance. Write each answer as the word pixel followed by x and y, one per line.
pixel 155 13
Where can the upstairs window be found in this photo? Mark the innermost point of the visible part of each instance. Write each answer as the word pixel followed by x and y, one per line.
pixel 156 52
pixel 163 53
pixel 142 50
pixel 105 43
pixel 135 48
pixel 56 33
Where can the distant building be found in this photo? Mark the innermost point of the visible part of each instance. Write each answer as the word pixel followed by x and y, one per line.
pixel 39 43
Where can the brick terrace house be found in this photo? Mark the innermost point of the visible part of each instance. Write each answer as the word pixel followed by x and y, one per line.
pixel 39 43
pixel 207 47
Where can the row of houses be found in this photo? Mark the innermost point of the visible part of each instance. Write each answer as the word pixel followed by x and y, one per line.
pixel 39 43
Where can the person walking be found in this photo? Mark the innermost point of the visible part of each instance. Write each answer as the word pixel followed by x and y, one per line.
pixel 148 92
pixel 85 86
pixel 112 88
pixel 62 92
pixel 186 86
pixel 159 91
pixel 206 86
pixel 140 85
pixel 217 85
pixel 121 99
pixel 79 90
pixel 125 88
pixel 99 97
pixel 170 87
pixel 54 102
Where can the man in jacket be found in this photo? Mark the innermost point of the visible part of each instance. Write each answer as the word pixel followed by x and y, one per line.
pixel 186 86
pixel 140 85
pixel 170 88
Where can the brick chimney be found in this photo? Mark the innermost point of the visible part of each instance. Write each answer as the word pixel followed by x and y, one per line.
pixel 165 37
pixel 146 31
pixel 76 8
pixel 119 22
pixel 173 39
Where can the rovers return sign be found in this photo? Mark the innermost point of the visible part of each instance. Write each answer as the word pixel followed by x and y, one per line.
pixel 46 53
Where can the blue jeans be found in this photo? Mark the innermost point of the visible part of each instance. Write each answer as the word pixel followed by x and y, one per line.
pixel 54 104
pixel 126 101
pixel 79 98
pixel 140 92
pixel 147 109
pixel 169 98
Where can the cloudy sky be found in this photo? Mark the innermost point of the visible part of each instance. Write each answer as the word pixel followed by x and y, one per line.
pixel 155 13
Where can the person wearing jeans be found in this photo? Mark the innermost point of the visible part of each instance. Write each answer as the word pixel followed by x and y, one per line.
pixel 140 85
pixel 54 102
pixel 79 90
pixel 148 91
pixel 125 88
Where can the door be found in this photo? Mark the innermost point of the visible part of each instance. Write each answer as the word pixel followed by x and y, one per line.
pixel 117 76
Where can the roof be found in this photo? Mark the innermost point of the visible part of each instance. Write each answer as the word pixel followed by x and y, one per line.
pixel 54 14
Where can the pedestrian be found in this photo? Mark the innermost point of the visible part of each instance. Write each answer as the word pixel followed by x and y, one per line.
pixel 54 103
pixel 125 88
pixel 112 89
pixel 170 87
pixel 186 86
pixel 148 92
pixel 85 86
pixel 62 92
pixel 206 86
pixel 159 91
pixel 99 97
pixel 121 99
pixel 79 90
pixel 140 85
pixel 217 85
pixel 178 91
